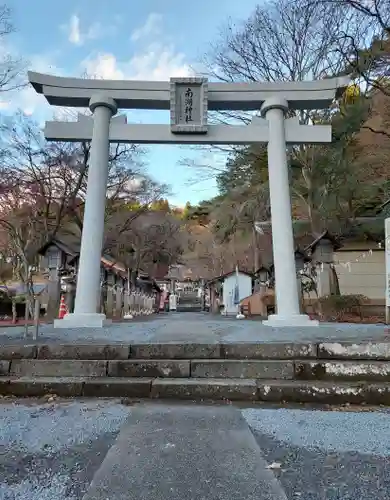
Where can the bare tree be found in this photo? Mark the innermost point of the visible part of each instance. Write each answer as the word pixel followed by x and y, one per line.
pixel 154 238
pixel 43 185
pixel 364 42
pixel 37 193
pixel 6 275
pixel 11 67
pixel 208 257
pixel 287 40
pixel 377 10
pixel 135 200
pixel 282 40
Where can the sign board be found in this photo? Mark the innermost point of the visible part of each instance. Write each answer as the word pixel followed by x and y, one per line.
pixel 259 227
pixel 189 105
pixel 387 257
pixel 172 302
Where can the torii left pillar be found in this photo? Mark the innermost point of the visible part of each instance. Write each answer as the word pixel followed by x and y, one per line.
pixel 86 313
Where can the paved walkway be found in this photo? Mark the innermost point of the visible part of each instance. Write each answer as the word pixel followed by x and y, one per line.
pixel 202 328
pixel 185 453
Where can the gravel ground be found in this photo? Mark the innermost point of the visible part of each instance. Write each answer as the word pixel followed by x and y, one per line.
pixel 197 327
pixel 51 451
pixel 325 455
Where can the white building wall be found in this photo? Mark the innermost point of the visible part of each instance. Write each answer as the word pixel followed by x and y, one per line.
pixel 365 275
pixel 245 289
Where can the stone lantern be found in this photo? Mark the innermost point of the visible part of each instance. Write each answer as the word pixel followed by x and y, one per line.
pixel 322 251
pixel 300 259
pixel 262 276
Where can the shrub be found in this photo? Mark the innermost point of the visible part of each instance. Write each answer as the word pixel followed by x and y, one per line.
pixel 334 307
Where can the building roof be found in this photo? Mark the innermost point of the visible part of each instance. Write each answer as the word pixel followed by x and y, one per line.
pixel 68 243
pixel 262 268
pixel 150 281
pixel 160 271
pixel 21 289
pixel 226 275
pixel 325 235
pixel 112 264
pixel 179 272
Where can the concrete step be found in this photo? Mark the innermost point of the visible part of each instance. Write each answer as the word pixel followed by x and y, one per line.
pixel 252 369
pixel 189 299
pixel 76 386
pixel 200 368
pixel 324 392
pixel 189 308
pixel 185 452
pixel 364 350
pixel 272 391
pixel 298 391
pixel 187 350
pixel 205 389
pixel 342 370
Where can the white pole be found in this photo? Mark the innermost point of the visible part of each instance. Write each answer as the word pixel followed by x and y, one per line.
pixel 88 277
pixel 286 290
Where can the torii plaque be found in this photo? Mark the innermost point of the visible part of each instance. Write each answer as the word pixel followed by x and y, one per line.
pixel 189 105
pixel 189 101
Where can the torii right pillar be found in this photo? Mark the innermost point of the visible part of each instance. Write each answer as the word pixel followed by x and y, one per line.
pixel 286 286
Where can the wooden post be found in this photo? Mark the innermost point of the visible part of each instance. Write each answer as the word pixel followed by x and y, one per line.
pixel 119 300
pixel 127 302
pixel 110 294
pixel 37 307
pixel 26 317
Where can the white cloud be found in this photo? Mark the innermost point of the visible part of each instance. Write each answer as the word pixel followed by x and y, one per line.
pixel 152 27
pixel 74 30
pixel 156 62
pixel 27 99
pixel 75 34
pixel 104 65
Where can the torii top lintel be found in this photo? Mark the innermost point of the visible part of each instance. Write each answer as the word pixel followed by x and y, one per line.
pixel 133 94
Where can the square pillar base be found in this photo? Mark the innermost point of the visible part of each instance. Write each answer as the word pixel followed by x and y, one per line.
pixel 294 320
pixel 83 320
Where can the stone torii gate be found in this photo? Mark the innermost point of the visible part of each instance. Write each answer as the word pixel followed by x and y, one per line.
pixel 188 100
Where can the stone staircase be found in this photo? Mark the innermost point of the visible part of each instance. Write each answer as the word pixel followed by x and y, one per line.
pixel 272 372
pixel 189 302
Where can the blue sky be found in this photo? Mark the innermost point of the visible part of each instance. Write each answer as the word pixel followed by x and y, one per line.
pixel 149 39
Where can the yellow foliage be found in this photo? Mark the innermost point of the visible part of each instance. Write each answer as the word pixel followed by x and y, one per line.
pixel 134 206
pixel 351 93
pixel 161 206
pixel 187 210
